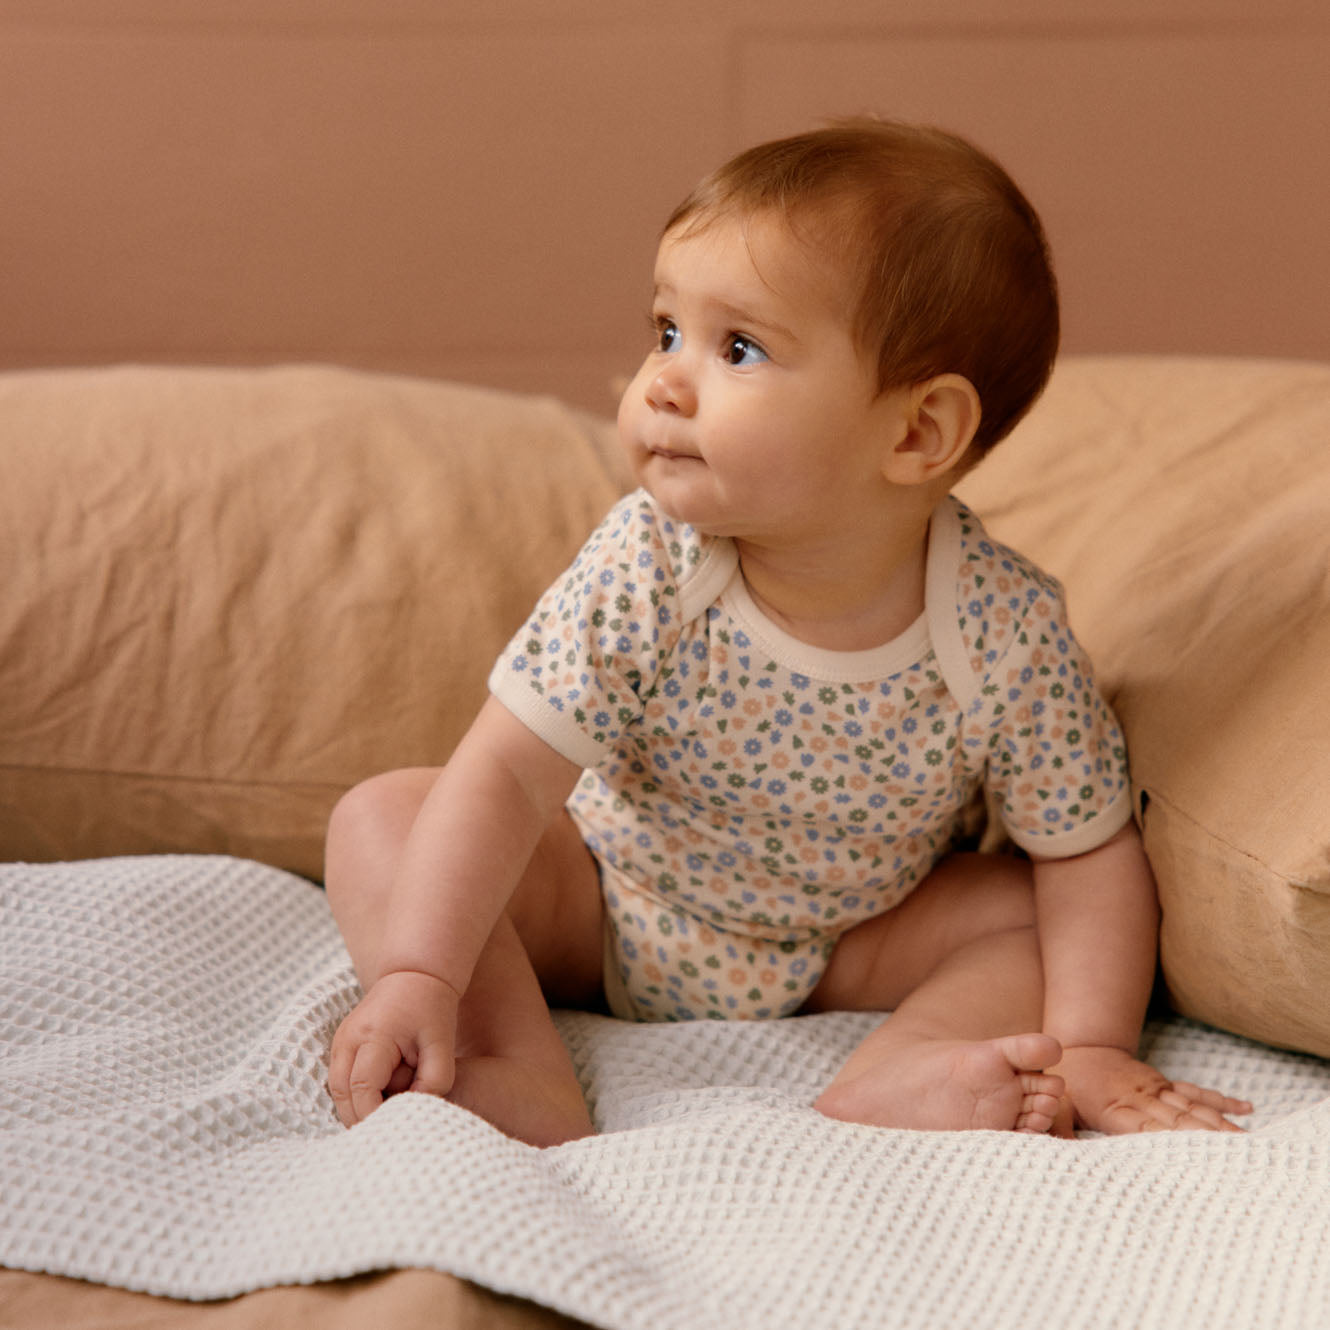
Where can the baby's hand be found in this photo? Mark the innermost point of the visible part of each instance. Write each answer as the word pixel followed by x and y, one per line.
pixel 1110 1091
pixel 400 1037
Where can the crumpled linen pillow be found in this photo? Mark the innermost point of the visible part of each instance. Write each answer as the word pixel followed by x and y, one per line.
pixel 1185 504
pixel 232 593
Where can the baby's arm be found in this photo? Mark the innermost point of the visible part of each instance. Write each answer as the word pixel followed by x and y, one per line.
pixel 465 854
pixel 1098 921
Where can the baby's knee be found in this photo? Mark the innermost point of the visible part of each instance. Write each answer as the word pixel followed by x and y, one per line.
pixel 358 804
pixel 370 822
pixel 352 816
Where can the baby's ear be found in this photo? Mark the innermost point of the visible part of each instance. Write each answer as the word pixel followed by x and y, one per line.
pixel 942 415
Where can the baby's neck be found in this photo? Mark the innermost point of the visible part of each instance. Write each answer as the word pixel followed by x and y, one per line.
pixel 839 605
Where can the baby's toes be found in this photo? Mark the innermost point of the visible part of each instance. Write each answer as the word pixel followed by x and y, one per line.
pixel 1042 1084
pixel 1038 1113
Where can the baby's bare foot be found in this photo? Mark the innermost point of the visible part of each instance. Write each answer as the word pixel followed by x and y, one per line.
pixel 524 1100
pixel 953 1085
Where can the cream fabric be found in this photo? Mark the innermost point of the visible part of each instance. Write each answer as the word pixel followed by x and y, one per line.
pixel 164 1126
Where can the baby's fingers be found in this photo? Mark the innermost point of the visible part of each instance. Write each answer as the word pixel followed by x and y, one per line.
pixel 371 1072
pixel 339 1076
pixel 1181 1114
pixel 435 1068
pixel 1196 1109
pixel 1164 1109
pixel 358 1083
pixel 1222 1103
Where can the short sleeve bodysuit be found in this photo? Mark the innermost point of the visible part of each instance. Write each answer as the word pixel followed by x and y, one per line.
pixel 749 797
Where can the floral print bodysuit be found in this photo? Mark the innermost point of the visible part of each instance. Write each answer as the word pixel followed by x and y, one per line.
pixel 748 797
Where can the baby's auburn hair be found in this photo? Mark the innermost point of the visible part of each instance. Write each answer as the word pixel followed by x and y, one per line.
pixel 948 265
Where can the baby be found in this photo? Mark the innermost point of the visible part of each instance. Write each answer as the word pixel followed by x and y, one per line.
pixel 727 766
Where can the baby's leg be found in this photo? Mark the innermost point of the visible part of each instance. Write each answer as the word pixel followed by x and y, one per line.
pixel 957 963
pixel 512 1067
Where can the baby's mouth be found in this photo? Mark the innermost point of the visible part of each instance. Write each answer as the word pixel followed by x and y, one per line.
pixel 670 453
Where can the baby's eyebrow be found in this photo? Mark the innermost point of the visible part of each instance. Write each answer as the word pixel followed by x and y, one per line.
pixel 731 313
pixel 747 319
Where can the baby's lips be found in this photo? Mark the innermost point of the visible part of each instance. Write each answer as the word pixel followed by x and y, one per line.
pixel 670 450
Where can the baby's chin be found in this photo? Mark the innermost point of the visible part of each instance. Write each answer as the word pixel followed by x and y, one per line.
pixel 678 510
pixel 685 491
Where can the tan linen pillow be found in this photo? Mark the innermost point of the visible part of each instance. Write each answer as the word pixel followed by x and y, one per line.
pixel 1185 504
pixel 230 594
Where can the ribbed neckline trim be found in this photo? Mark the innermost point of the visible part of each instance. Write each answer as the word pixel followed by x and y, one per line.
pixel 907 649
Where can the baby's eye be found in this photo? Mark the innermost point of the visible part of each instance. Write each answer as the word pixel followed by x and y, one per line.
pixel 667 335
pixel 741 350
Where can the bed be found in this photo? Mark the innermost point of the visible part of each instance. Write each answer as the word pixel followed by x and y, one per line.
pixel 234 592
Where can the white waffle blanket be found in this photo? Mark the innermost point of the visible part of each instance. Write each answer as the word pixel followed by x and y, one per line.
pixel 164 1024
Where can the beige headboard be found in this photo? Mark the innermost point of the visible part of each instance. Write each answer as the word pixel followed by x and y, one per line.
pixel 472 190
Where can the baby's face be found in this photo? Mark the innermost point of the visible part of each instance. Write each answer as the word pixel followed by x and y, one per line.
pixel 755 415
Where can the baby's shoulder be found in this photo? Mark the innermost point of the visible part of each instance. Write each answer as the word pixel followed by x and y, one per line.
pixel 636 534
pixel 1002 596
pixel 643 550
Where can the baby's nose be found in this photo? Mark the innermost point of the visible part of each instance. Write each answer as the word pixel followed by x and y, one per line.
pixel 672 389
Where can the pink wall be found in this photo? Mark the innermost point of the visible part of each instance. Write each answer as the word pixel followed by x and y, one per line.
pixel 471 189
